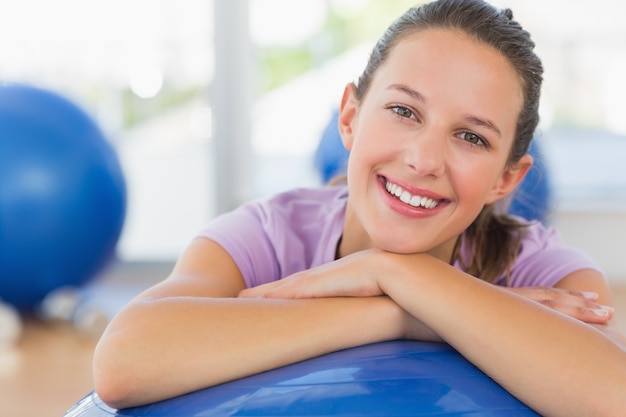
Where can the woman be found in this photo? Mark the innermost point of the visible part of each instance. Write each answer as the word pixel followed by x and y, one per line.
pixel 438 127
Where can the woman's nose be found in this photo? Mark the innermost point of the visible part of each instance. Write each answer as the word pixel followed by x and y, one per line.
pixel 426 154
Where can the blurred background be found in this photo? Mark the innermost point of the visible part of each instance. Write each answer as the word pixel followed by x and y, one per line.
pixel 212 103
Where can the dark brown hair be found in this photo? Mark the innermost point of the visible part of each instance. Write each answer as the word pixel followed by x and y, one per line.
pixel 493 239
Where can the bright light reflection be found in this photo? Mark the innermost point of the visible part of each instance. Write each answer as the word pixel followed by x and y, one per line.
pixel 285 22
pixel 200 122
pixel 348 8
pixel 146 81
pixel 615 107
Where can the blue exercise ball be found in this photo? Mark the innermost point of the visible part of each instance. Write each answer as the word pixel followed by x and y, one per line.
pixel 62 195
pixel 399 378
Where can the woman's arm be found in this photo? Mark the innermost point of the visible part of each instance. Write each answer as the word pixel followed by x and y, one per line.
pixel 558 365
pixel 190 332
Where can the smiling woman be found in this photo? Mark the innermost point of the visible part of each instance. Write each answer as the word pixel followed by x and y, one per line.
pixel 338 267
pixel 91 50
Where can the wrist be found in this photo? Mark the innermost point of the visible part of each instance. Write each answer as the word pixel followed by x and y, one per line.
pixel 382 320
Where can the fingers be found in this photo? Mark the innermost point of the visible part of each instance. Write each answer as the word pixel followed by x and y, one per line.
pixel 347 277
pixel 581 305
pixel 260 291
pixel 589 312
pixel 299 285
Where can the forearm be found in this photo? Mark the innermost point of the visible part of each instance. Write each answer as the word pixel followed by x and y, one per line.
pixel 556 364
pixel 165 347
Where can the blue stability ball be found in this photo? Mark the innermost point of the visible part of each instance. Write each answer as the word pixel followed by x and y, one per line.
pixel 62 195
pixel 391 379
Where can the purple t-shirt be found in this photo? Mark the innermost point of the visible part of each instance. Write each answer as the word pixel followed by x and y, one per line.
pixel 272 238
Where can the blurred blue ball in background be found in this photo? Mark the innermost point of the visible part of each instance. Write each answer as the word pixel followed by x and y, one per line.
pixel 62 195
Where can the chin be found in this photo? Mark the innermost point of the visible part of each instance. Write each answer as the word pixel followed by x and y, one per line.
pixel 401 247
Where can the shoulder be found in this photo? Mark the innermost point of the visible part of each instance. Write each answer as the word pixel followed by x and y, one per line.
pixel 273 237
pixel 305 202
pixel 287 208
pixel 544 258
pixel 536 236
pixel 301 211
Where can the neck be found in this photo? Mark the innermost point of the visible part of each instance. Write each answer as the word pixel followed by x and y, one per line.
pixel 354 237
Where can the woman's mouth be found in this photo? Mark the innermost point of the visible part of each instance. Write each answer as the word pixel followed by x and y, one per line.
pixel 408 198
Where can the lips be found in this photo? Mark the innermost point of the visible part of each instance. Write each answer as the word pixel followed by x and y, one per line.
pixel 410 199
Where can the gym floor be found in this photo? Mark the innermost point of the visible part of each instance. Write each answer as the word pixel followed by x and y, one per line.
pixel 49 370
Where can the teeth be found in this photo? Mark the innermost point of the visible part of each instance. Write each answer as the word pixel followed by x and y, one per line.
pixel 407 198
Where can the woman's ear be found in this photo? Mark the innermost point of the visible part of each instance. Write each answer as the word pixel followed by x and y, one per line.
pixel 347 115
pixel 510 179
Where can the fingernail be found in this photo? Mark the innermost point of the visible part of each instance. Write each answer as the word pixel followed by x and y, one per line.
pixel 603 311
pixel 590 295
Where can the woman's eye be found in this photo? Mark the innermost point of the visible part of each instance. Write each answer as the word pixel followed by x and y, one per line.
pixel 402 111
pixel 473 138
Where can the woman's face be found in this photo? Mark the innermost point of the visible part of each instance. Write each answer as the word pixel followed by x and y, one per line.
pixel 429 143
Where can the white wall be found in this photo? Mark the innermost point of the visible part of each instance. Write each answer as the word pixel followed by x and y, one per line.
pixel 601 234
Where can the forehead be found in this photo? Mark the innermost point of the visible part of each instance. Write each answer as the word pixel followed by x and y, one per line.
pixel 445 64
pixel 443 42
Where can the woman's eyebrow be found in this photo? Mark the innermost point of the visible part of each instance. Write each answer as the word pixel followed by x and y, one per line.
pixel 484 123
pixel 409 91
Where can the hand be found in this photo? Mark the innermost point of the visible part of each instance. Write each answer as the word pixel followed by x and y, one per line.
pixel 577 304
pixel 352 276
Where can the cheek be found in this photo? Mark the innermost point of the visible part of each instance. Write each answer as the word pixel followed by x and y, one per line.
pixel 364 149
pixel 358 163
pixel 375 142
pixel 473 181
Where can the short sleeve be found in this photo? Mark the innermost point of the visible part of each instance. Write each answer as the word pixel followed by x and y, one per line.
pixel 242 235
pixel 545 259
pixel 272 238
